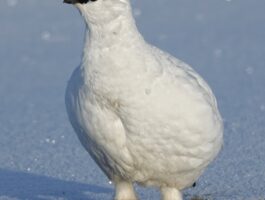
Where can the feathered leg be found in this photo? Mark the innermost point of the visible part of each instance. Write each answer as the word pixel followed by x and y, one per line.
pixel 124 191
pixel 170 194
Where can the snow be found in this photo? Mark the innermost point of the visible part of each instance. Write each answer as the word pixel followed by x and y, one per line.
pixel 40 45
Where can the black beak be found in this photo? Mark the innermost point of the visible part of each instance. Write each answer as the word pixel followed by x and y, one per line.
pixel 68 1
pixel 77 1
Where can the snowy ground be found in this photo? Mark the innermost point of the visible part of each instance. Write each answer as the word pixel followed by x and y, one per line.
pixel 41 43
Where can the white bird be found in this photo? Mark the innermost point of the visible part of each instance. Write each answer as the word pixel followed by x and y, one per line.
pixel 144 116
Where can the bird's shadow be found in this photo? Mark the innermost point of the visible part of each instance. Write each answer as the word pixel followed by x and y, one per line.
pixel 24 186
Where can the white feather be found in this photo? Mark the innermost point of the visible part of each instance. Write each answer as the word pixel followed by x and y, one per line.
pixel 143 115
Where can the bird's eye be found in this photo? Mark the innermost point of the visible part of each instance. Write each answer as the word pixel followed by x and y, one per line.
pixel 85 1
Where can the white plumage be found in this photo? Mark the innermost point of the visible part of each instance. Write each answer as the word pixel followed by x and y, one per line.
pixel 143 115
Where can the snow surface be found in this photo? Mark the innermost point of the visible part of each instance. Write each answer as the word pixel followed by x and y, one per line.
pixel 41 43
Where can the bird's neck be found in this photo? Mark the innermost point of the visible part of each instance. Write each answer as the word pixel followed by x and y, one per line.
pixel 120 33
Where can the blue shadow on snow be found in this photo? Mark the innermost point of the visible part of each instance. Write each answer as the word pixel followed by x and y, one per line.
pixel 26 186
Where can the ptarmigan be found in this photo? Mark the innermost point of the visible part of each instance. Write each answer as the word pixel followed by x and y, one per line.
pixel 144 116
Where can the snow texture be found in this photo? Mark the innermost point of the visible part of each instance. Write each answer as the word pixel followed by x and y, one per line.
pixel 41 43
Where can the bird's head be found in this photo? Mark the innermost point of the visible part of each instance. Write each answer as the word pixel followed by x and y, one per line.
pixel 101 11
